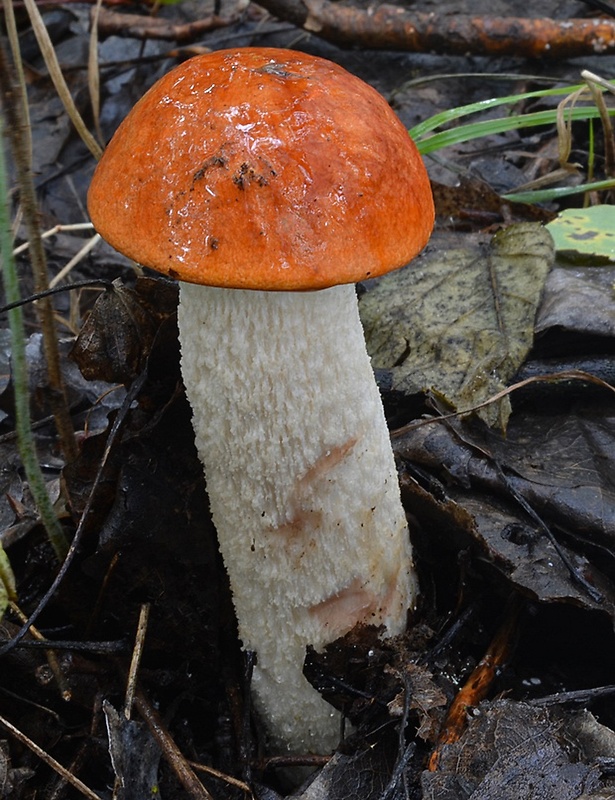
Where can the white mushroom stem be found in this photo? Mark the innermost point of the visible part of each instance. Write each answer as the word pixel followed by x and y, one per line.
pixel 302 484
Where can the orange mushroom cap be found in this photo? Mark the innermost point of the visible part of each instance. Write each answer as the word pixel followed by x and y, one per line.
pixel 260 168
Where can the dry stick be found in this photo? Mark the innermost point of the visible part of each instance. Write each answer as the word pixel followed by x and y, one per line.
pixel 564 126
pixel 52 658
pixel 564 375
pixel 94 283
pixel 58 790
pixel 222 776
pixel 593 81
pixel 76 226
pixel 588 76
pixel 13 37
pixel 607 125
pixel 93 70
pixel 55 73
pixel 131 683
pixel 19 135
pixel 108 648
pixel 137 26
pixel 50 761
pixel 390 27
pixel 478 684
pixel 137 652
pixel 176 760
pixel 581 697
pixel 79 256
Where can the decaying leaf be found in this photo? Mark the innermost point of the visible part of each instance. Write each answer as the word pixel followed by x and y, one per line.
pixel 473 202
pixel 421 695
pixel 364 775
pixel 516 750
pixel 559 467
pixel 559 463
pixel 579 300
pixel 460 321
pixel 117 336
pixel 11 779
pixel 135 756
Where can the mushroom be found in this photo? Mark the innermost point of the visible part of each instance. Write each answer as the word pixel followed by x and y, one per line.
pixel 269 182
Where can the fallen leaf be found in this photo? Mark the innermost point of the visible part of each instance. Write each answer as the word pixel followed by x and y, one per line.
pixel 578 300
pixel 117 336
pixel 11 779
pixel 460 322
pixel 559 467
pixel 425 698
pixel 511 751
pixel 473 203
pixel 364 775
pixel 135 755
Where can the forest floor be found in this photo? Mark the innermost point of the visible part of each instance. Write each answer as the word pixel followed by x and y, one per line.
pixel 504 685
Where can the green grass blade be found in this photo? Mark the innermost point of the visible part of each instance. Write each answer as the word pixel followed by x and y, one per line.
pixel 547 195
pixel 489 127
pixel 454 114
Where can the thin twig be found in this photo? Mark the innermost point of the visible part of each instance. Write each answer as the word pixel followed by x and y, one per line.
pixel 77 226
pixel 176 760
pixel 138 26
pixel 480 681
pixel 68 267
pixel 50 761
pixel 222 776
pixel 131 683
pixel 595 87
pixel 95 283
pixel 565 375
pixel 52 659
pixel 92 648
pixel 581 697
pixel 593 78
pixel 94 70
pixel 55 72
pixel 13 37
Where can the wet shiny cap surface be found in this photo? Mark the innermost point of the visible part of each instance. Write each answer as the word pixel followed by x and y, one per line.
pixel 260 168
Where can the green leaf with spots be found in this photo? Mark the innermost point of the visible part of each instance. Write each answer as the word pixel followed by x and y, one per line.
pixel 585 230
pixel 459 322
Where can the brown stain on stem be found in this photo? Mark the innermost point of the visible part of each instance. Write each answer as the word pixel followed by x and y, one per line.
pixel 305 522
